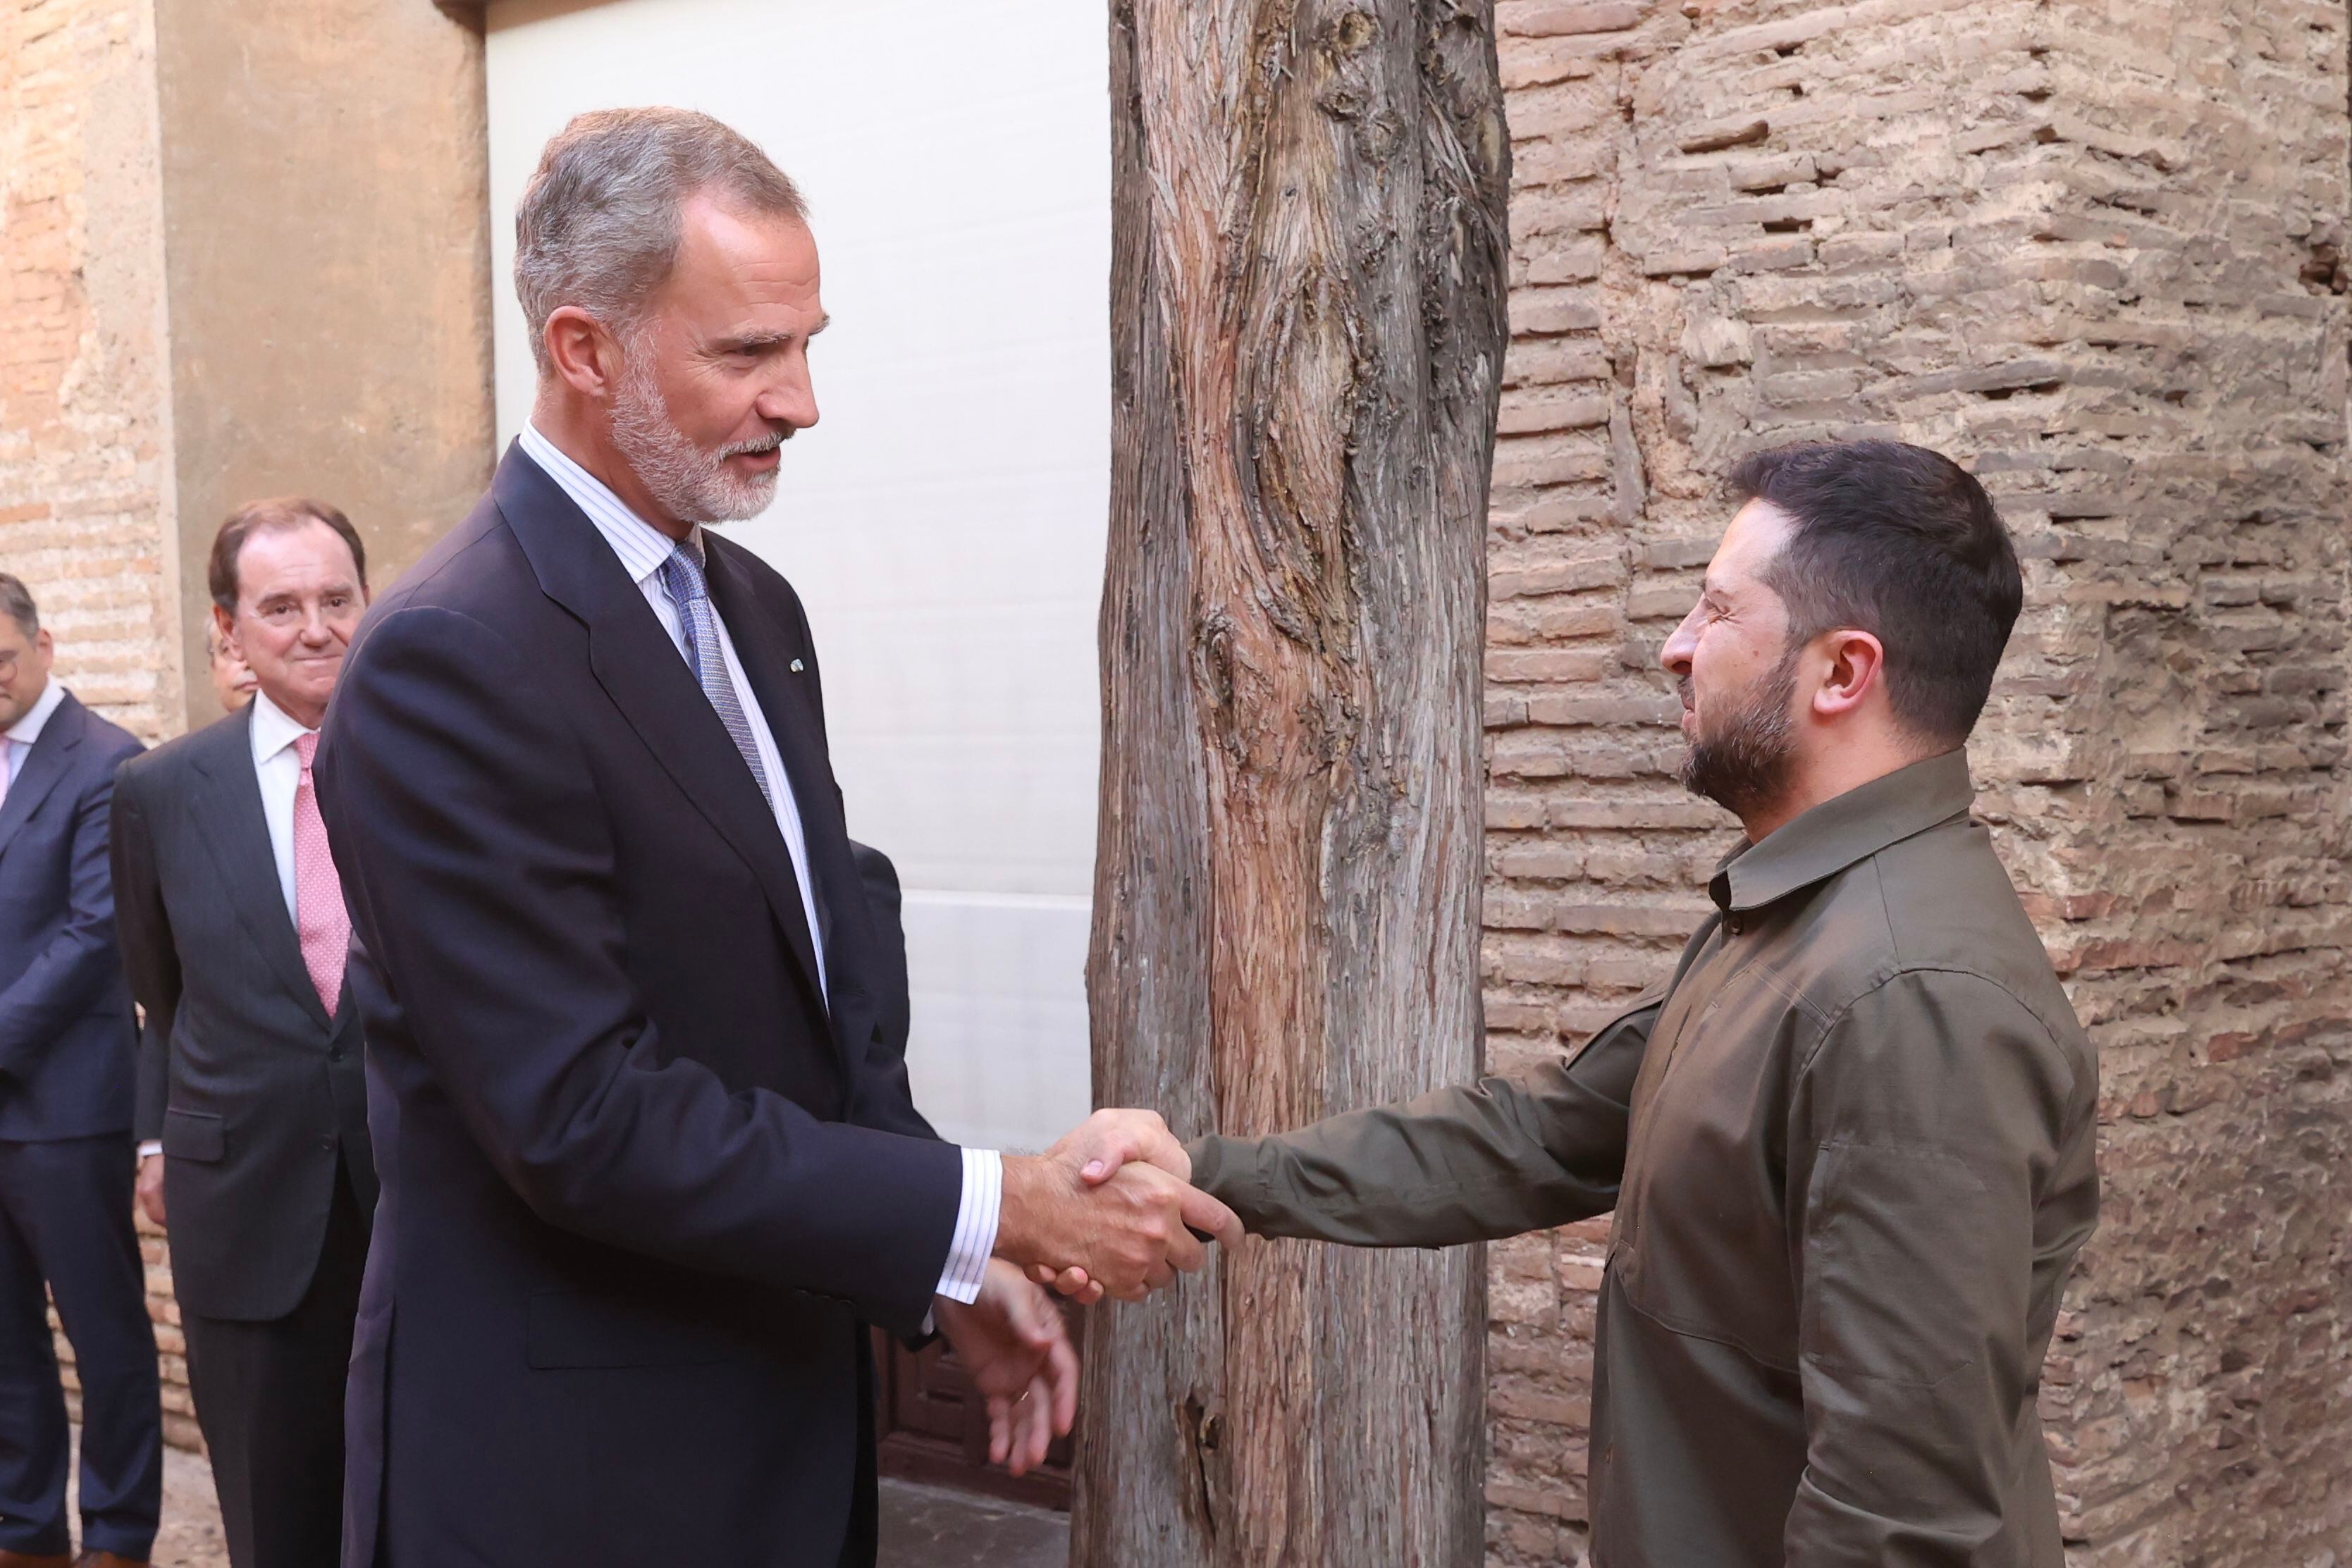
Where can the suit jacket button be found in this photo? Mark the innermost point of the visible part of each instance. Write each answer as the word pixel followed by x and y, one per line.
pixel 328 1143
pixel 334 1054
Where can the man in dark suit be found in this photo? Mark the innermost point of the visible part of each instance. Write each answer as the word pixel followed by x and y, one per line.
pixel 252 1103
pixel 66 1028
pixel 649 1163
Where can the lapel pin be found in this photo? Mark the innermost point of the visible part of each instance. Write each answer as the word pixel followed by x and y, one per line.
pixel 796 666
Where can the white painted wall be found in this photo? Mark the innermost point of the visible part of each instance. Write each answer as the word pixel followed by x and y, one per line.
pixel 944 521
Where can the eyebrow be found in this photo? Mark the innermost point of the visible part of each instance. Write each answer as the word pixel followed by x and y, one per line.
pixel 755 342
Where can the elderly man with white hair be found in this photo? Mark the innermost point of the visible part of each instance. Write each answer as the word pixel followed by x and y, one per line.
pixel 649 1160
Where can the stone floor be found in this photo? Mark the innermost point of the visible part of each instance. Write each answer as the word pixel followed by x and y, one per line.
pixel 922 1527
pixel 927 1527
pixel 190 1536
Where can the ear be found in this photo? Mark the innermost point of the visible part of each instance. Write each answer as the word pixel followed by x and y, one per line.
pixel 1857 668
pixel 581 352
pixel 226 624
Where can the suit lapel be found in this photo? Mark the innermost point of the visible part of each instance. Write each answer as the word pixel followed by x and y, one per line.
pixel 785 698
pixel 226 805
pixel 45 764
pixel 639 668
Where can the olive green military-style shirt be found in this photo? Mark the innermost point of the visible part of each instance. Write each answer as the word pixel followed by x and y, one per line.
pixel 1849 1147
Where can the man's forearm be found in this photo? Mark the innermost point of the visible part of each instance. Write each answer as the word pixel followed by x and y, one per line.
pixel 1458 1165
pixel 1470 1163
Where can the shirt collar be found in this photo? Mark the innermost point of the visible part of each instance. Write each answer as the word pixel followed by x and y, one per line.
pixel 273 731
pixel 641 546
pixel 1843 831
pixel 27 729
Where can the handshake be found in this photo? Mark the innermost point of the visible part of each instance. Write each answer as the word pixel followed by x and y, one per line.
pixel 1109 1210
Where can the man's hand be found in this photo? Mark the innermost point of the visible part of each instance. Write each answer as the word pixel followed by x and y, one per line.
pixel 151 1188
pixel 1102 1145
pixel 1012 1343
pixel 1130 1229
pixel 1109 1139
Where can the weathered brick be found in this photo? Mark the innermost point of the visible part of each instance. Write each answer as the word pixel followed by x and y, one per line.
pixel 1999 232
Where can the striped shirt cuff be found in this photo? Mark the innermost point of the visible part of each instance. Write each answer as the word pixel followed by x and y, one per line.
pixel 976 1231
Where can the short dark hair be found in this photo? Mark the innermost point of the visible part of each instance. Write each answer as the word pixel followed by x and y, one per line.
pixel 17 603
pixel 274 515
pixel 599 223
pixel 1902 543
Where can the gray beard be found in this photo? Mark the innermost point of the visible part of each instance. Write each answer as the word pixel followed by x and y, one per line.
pixel 1744 766
pixel 693 485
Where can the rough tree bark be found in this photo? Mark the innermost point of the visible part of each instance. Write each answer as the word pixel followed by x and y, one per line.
pixel 1308 324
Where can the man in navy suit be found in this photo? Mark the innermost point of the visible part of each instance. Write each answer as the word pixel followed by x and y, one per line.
pixel 648 1160
pixel 66 1164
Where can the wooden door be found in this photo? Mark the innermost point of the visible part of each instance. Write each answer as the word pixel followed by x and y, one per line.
pixel 933 1426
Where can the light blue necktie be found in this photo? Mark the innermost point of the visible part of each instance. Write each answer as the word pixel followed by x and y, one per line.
pixel 683 580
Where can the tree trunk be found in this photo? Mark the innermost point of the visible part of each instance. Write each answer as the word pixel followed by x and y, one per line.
pixel 1309 282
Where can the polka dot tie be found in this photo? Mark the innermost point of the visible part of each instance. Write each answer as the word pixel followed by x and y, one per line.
pixel 322 923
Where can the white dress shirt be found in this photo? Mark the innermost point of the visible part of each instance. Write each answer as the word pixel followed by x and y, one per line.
pixel 19 742
pixel 280 769
pixel 641 548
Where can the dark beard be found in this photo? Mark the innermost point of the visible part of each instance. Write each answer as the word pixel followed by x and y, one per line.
pixel 1744 766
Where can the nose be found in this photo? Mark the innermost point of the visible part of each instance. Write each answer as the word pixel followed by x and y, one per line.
pixel 790 398
pixel 1680 648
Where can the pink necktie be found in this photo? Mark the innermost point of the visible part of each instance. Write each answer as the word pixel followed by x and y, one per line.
pixel 321 921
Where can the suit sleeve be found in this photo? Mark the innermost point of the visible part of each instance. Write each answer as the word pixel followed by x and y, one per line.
pixel 65 978
pixel 1926 1124
pixel 151 959
pixel 885 1098
pixel 481 870
pixel 1465 1164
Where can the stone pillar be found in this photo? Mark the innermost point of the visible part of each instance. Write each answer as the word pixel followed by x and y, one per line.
pixel 326 202
pixel 2093 251
pixel 246 250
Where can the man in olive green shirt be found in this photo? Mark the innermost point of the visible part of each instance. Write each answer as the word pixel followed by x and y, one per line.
pixel 1848 1144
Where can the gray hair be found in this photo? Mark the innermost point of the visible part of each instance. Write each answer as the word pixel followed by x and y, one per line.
pixel 17 604
pixel 598 224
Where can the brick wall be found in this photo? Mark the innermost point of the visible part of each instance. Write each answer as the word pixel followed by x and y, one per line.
pixel 86 511
pixel 85 483
pixel 2091 251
